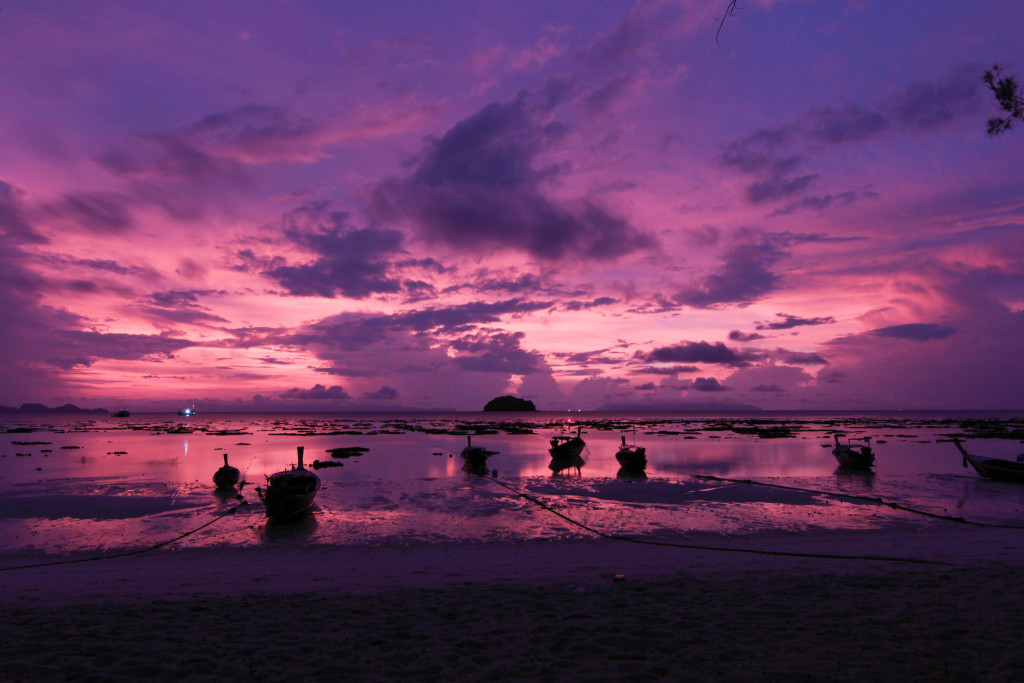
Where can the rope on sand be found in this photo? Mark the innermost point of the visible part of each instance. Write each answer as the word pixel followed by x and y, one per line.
pixel 229 511
pixel 690 546
pixel 854 496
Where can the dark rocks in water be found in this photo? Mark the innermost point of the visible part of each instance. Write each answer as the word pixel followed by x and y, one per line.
pixel 508 404
pixel 320 464
pixel 347 452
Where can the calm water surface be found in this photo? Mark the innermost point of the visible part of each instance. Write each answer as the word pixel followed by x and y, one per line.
pixel 73 485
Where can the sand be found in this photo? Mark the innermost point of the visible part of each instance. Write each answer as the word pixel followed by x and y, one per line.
pixel 550 611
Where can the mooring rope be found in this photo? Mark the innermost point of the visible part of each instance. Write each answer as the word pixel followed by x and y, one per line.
pixel 129 553
pixel 692 546
pixel 854 496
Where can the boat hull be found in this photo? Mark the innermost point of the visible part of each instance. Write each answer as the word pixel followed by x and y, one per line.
pixel 226 477
pixel 854 459
pixel 289 494
pixel 632 457
pixel 997 468
pixel 567 450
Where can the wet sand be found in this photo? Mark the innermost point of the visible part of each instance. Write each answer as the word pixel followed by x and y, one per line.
pixel 590 610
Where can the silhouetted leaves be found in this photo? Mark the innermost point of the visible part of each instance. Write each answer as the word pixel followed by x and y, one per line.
pixel 1009 97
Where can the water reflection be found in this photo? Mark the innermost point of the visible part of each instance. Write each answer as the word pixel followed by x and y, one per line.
pixel 94 485
pixel 566 464
pixel 301 527
pixel 631 474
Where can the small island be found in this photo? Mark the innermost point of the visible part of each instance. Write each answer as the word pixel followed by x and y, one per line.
pixel 509 404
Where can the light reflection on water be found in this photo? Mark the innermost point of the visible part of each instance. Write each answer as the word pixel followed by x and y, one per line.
pixel 93 486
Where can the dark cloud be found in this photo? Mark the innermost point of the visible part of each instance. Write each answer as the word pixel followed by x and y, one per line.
pixel 927 105
pixel 353 262
pixel 838 125
pixel 318 393
pixel 180 306
pixel 738 336
pixel 745 275
pixel 699 352
pixel 255 133
pixel 103 266
pixel 915 331
pixel 759 155
pixel 353 331
pixel 168 157
pixel 495 352
pixel 602 98
pixel 790 321
pixel 385 393
pixel 772 156
pixel 824 202
pixel 177 297
pixel 183 315
pixel 526 283
pixel 477 188
pixel 585 305
pixel 798 358
pixel 83 347
pixel 671 370
pixel 631 37
pixel 216 147
pixel 768 388
pixel 707 384
pixel 778 187
pixel 100 213
pixel 14 223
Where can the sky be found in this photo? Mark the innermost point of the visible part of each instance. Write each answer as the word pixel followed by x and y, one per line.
pixel 370 206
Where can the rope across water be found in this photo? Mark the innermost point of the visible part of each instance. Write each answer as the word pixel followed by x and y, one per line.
pixel 693 546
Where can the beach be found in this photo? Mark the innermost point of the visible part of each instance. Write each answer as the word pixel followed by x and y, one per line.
pixel 588 610
pixel 409 569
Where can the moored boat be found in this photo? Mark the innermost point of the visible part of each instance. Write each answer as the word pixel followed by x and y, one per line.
pixel 226 477
pixel 994 468
pixel 187 411
pixel 474 458
pixel 566 451
pixel 122 413
pixel 289 493
pixel 854 457
pixel 631 457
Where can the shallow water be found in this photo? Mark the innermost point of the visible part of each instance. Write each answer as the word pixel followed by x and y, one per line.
pixel 70 485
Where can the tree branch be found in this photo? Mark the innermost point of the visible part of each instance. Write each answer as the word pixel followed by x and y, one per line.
pixel 730 10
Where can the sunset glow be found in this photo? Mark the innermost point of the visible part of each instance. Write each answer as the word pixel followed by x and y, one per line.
pixel 394 205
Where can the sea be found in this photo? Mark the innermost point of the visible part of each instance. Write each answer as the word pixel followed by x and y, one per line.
pixel 75 486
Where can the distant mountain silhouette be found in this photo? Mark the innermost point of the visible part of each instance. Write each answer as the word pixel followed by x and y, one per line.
pixel 65 409
pixel 680 407
pixel 507 404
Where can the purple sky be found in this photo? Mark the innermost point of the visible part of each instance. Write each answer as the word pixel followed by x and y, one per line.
pixel 375 206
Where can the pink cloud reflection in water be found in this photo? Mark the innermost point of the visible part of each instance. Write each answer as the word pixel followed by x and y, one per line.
pixel 408 489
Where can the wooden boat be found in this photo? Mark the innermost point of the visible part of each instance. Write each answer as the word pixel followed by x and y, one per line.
pixel 476 454
pixel 566 451
pixel 474 458
pixel 994 468
pixel 631 457
pixel 290 493
pixel 226 477
pixel 854 457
